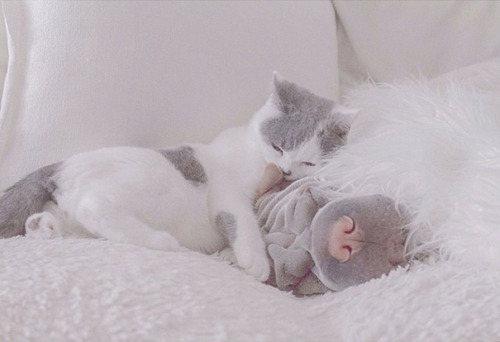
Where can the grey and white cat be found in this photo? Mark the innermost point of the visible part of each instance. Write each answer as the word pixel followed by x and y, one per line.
pixel 196 196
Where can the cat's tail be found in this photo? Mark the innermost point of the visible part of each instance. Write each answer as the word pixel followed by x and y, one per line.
pixel 26 197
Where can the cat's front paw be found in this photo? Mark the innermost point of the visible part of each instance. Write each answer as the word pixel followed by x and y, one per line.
pixel 254 262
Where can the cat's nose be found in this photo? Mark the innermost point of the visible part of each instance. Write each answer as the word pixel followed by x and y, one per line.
pixel 286 173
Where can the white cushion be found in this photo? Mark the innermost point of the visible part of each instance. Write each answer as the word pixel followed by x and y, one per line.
pixel 4 55
pixel 387 40
pixel 87 74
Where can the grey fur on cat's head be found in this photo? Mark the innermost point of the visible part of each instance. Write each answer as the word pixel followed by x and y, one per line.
pixel 297 130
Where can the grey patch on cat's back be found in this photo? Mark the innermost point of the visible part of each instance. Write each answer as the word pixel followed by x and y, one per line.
pixel 301 113
pixel 226 225
pixel 184 160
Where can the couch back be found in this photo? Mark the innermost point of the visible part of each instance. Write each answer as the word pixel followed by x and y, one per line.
pixel 87 74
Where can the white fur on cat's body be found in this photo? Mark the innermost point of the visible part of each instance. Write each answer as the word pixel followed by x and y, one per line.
pixel 120 183
pixel 136 195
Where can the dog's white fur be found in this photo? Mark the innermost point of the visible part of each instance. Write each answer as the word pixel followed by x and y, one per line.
pixel 434 146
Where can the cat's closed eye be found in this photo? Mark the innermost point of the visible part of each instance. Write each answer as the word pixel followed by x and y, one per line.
pixel 308 164
pixel 277 148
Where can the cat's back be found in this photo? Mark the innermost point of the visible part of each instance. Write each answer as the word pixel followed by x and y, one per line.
pixel 111 162
pixel 128 172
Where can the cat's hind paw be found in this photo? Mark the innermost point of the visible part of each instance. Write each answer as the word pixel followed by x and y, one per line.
pixel 160 240
pixel 42 226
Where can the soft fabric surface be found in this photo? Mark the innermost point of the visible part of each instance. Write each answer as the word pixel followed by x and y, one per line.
pixel 73 290
pixel 4 56
pixel 386 40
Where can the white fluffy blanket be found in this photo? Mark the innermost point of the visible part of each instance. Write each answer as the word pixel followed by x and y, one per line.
pixel 435 146
pixel 91 290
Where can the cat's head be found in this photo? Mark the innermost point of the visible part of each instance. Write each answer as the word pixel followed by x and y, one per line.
pixel 297 130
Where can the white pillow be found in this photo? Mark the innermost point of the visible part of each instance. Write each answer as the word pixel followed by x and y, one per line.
pixel 387 40
pixel 87 74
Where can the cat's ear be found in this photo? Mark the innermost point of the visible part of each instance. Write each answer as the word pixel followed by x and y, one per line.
pixel 335 132
pixel 344 116
pixel 276 86
pixel 284 93
pixel 277 81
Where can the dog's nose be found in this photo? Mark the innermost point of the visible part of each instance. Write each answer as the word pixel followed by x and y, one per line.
pixel 345 239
